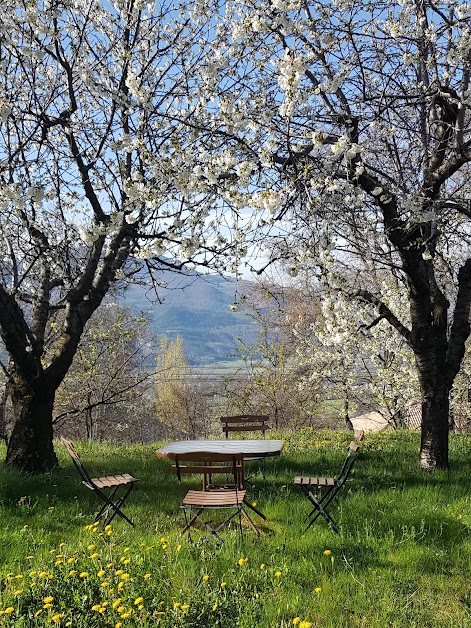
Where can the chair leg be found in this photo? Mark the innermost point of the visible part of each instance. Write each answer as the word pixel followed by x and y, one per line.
pixel 319 508
pixel 252 507
pixel 111 505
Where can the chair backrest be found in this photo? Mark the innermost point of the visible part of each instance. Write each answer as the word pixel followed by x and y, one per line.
pixel 208 464
pixel 76 460
pixel 245 423
pixel 348 463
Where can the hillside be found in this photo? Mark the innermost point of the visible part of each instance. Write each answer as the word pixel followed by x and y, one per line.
pixel 197 308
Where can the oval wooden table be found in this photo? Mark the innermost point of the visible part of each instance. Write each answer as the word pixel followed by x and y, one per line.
pixel 250 448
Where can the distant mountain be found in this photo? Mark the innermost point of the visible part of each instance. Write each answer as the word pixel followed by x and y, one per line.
pixel 196 307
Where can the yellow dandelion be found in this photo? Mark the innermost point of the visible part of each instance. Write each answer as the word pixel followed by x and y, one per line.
pixel 107 528
pixel 126 549
pixel 9 610
pixel 124 576
pixel 19 576
pixel 179 548
pixel 119 572
pixel 121 609
pixel 101 573
pixel 32 574
pixel 262 566
pixel 147 576
pixel 68 623
pixel 277 574
pixel 125 615
pixel 116 603
pixel 37 613
pixel 96 607
pixel 305 624
pixel 205 578
pixel 119 624
pixel 71 560
pixel 176 605
pixel 317 589
pixel 223 584
pixel 58 562
pixel 48 599
pixel 138 600
pixel 327 552
pixel 94 555
pixel 296 620
pixel 120 586
pixel 84 574
pixel 141 607
pixel 185 607
pixel 91 547
pixel 47 606
pixel 242 562
pixel 215 607
pixel 17 592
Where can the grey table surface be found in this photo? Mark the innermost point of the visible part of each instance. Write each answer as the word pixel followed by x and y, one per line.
pixel 250 447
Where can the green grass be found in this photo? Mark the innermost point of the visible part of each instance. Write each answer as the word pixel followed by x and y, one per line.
pixel 402 558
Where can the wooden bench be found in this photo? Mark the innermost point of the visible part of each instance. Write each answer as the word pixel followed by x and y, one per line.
pixel 245 423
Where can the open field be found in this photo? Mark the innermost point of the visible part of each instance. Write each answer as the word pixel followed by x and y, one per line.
pixel 403 557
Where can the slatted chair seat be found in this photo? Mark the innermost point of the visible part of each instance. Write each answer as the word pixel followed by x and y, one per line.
pixel 195 503
pixel 106 488
pixel 113 480
pixel 312 485
pixel 314 481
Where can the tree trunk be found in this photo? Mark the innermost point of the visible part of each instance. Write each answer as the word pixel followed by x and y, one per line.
pixel 434 433
pixel 30 447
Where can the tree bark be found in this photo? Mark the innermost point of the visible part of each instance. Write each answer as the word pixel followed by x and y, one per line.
pixel 30 447
pixel 434 432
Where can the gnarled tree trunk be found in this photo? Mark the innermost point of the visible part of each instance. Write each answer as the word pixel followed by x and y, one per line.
pixel 30 445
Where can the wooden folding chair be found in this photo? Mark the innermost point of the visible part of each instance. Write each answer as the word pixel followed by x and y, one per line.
pixel 246 423
pixel 328 488
pixel 195 503
pixel 105 488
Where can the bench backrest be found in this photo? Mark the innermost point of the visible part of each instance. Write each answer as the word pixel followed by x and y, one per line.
pixel 245 423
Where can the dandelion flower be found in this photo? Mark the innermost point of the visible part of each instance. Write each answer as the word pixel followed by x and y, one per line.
pixel 205 578
pixel 46 606
pixel 215 607
pixel 262 566
pixel 9 610
pixel 318 590
pixel 84 574
pixel 277 574
pixel 185 607
pixel 179 548
pixel 327 552
pixel 296 620
pixel 305 624
pixel 147 576
pixel 176 605
pixel 138 600
pixel 223 584
pixel 242 562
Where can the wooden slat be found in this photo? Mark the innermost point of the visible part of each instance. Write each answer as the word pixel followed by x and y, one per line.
pixel 211 499
pixel 245 428
pixel 242 418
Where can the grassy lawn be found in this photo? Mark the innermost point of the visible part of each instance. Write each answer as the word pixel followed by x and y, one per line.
pixel 402 558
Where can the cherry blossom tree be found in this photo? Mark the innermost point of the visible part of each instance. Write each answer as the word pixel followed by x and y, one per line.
pixel 94 182
pixel 348 123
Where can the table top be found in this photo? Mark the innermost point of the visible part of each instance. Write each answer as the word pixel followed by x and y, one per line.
pixel 251 447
